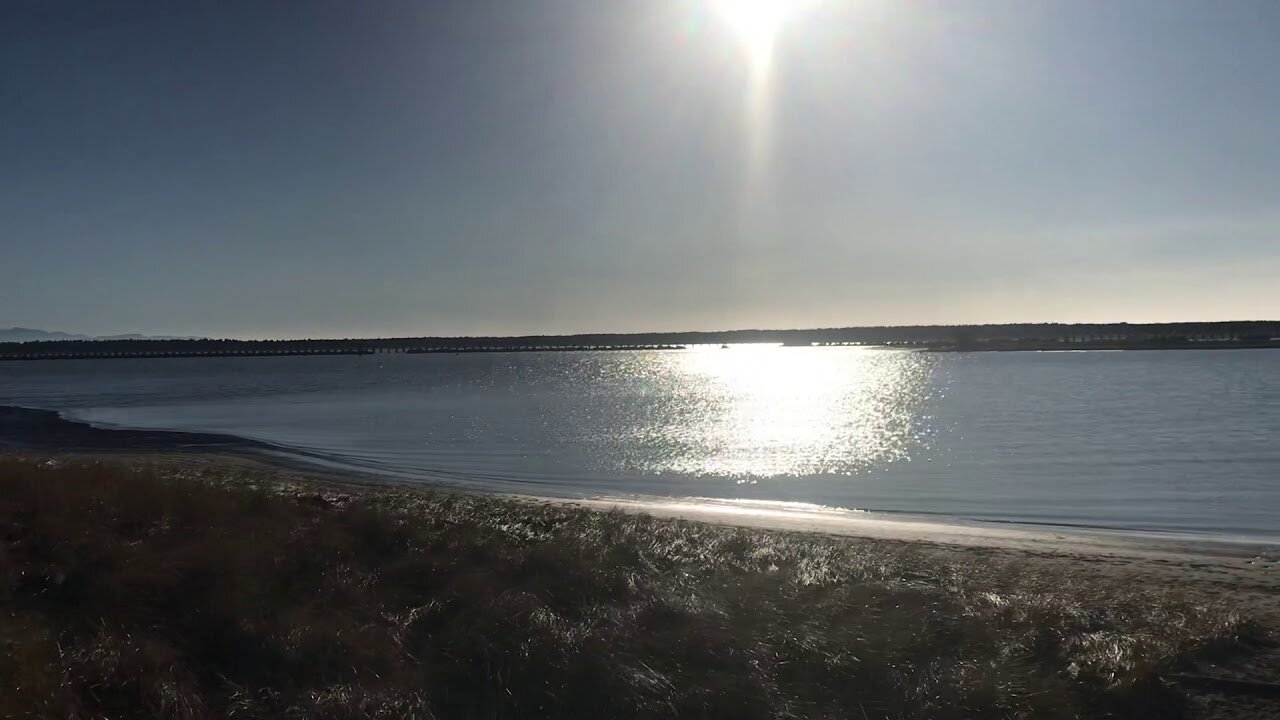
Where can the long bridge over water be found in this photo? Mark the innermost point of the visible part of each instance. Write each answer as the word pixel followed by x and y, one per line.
pixel 41 353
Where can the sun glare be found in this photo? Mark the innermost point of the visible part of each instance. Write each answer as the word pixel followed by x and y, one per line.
pixel 756 22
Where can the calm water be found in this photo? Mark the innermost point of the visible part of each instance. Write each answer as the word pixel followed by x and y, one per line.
pixel 1166 441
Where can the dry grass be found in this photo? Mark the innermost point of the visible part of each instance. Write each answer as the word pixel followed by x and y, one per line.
pixel 128 592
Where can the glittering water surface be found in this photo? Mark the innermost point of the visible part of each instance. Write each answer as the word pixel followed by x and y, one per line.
pixel 763 412
pixel 1175 441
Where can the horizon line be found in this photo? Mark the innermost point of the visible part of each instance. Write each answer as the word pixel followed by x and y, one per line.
pixel 124 337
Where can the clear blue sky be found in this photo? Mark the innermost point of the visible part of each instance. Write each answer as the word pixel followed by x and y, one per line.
pixel 265 168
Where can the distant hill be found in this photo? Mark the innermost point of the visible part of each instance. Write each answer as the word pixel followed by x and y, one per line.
pixel 135 336
pixel 20 335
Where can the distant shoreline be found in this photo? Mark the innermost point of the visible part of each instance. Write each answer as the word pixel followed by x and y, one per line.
pixel 978 348
pixel 941 338
pixel 1109 347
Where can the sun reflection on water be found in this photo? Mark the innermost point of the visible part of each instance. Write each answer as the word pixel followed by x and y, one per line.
pixel 753 412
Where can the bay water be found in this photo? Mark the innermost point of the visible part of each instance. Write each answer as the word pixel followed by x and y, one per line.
pixel 1183 442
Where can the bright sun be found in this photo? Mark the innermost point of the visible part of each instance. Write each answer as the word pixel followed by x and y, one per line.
pixel 756 22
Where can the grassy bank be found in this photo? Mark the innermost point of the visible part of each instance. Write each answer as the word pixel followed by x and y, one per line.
pixel 130 591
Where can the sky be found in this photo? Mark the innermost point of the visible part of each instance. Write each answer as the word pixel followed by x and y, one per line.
pixel 279 169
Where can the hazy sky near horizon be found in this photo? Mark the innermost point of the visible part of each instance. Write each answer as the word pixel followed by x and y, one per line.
pixel 259 168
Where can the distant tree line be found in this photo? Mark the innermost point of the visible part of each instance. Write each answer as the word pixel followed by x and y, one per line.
pixel 1006 336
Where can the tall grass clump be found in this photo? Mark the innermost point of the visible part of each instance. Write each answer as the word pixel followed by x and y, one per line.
pixel 130 591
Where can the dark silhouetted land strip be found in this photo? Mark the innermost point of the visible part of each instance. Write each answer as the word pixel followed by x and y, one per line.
pixel 1046 336
pixel 44 430
pixel 177 589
